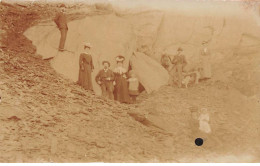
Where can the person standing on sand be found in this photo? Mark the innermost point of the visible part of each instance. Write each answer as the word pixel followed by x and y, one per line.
pixel 105 79
pixel 205 61
pixel 86 68
pixel 179 62
pixel 121 89
pixel 61 22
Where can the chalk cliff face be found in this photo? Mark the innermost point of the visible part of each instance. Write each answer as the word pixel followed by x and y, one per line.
pixel 232 40
pixel 47 118
pixel 234 43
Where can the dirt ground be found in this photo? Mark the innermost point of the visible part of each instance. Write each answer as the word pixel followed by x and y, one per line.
pixel 47 118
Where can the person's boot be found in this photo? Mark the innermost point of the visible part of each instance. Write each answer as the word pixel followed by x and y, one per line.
pixel 61 49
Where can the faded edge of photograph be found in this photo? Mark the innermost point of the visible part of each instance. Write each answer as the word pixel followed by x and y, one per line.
pixel 129 81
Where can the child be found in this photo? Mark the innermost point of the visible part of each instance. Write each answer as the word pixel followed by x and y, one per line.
pixel 204 121
pixel 197 75
pixel 186 81
pixel 133 86
pixel 186 78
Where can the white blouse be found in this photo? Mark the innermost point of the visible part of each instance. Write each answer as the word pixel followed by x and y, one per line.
pixel 120 70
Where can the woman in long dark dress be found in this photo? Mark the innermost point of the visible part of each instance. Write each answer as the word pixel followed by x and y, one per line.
pixel 85 68
pixel 121 87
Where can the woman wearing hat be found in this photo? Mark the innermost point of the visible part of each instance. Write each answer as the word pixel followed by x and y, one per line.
pixel 121 88
pixel 85 68
pixel 205 61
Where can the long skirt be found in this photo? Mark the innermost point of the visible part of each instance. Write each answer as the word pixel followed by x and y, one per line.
pixel 84 79
pixel 121 89
pixel 206 67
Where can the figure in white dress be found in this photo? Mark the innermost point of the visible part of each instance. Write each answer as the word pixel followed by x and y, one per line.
pixel 204 121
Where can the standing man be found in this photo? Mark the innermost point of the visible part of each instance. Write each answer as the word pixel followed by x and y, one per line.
pixel 86 68
pixel 105 79
pixel 205 58
pixel 179 62
pixel 61 22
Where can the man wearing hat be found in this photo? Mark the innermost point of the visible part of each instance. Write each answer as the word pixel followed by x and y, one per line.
pixel 86 68
pixel 179 62
pixel 61 22
pixel 105 79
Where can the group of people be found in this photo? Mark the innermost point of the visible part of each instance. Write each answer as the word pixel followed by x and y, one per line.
pixel 177 67
pixel 118 84
pixel 122 84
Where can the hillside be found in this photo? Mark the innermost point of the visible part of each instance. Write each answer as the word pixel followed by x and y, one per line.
pixel 46 117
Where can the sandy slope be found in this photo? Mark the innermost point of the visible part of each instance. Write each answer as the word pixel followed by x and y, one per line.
pixel 47 118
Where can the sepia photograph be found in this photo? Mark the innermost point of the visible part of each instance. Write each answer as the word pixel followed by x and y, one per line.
pixel 129 81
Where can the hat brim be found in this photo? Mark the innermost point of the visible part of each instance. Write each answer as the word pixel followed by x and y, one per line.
pixel 62 6
pixel 89 46
pixel 105 62
pixel 120 58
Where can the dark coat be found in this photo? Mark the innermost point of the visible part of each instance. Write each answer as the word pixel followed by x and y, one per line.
pixel 104 77
pixel 121 88
pixel 85 69
pixel 179 59
pixel 61 20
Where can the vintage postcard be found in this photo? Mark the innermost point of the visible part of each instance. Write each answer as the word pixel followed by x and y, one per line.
pixel 130 81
